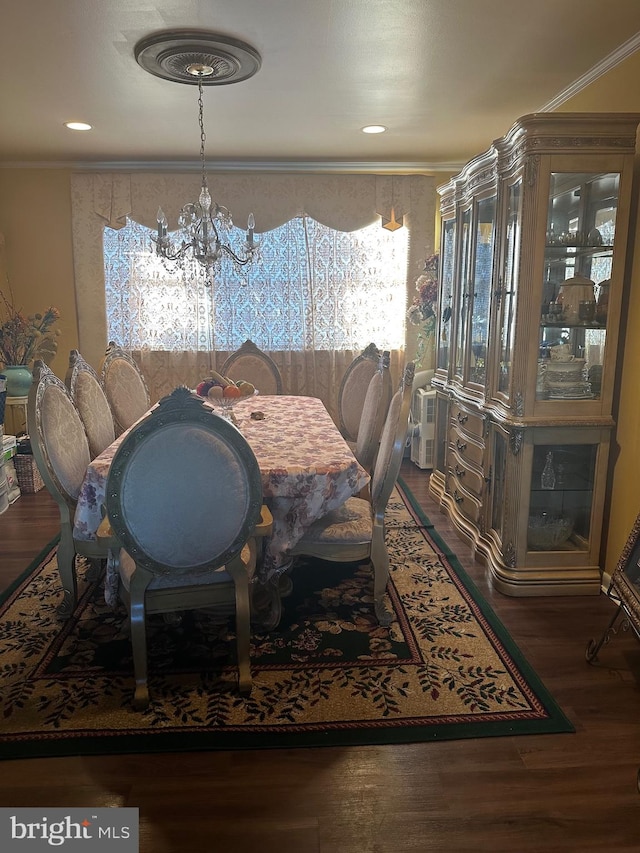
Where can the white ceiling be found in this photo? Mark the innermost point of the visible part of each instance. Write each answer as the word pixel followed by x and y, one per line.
pixel 445 76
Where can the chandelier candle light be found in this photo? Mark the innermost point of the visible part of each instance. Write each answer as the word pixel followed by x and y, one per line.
pixel 206 226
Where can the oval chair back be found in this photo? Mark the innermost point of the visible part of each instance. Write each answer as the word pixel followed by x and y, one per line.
pixel 254 366
pixel 61 451
pixel 353 390
pixel 124 387
pixel 86 392
pixel 374 413
pixel 184 497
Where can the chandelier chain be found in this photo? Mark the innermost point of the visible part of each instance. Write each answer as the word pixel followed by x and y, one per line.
pixel 203 135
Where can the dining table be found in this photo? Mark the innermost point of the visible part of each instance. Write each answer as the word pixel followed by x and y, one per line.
pixel 307 470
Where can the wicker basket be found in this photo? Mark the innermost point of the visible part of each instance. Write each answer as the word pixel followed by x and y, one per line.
pixel 546 533
pixel 27 473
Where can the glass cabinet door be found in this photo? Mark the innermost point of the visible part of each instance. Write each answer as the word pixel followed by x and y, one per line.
pixel 480 297
pixel 579 244
pixel 508 284
pixel 442 434
pixel 497 479
pixel 447 262
pixel 562 487
pixel 461 300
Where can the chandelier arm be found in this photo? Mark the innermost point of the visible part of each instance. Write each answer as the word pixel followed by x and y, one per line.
pixel 165 251
pixel 242 261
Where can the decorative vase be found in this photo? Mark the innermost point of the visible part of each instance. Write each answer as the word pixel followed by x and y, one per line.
pixel 425 351
pixel 19 379
pixel 548 479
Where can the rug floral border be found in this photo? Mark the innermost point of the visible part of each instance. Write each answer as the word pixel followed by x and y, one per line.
pixel 389 695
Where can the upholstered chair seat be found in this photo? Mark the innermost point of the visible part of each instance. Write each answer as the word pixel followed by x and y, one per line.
pixel 349 524
pixel 127 567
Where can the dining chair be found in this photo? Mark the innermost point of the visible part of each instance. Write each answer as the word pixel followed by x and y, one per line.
pixel 356 531
pixel 184 500
pixel 353 390
pixel 61 452
pixel 86 392
pixel 124 387
pixel 255 366
pixel 374 413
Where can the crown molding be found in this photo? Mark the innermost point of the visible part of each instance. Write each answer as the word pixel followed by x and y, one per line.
pixel 628 48
pixel 302 166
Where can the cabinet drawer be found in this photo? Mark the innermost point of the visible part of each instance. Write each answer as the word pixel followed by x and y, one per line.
pixel 467 476
pixel 465 503
pixel 471 422
pixel 465 447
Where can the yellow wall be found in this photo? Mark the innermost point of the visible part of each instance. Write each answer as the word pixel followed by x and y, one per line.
pixel 35 218
pixel 618 91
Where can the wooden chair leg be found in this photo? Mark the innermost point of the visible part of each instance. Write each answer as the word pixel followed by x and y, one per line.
pixel 243 627
pixel 137 617
pixel 66 557
pixel 380 564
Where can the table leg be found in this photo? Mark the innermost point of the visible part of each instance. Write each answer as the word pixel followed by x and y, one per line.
pixel 266 605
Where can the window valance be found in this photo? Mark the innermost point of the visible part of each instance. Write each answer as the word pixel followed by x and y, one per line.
pixel 344 202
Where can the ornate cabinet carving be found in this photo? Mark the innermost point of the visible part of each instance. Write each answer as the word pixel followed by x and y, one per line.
pixel 533 244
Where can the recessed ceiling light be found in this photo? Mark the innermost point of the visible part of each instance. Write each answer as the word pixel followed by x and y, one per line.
pixel 77 125
pixel 374 128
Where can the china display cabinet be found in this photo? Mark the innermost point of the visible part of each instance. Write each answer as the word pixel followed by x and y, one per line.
pixel 533 245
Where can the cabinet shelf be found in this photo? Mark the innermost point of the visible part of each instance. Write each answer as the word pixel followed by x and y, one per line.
pixel 563 490
pixel 566 250
pixel 560 324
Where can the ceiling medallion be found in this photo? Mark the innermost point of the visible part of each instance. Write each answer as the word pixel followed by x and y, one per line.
pixel 171 53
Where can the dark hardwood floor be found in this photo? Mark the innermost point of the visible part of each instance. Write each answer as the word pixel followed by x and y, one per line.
pixel 574 793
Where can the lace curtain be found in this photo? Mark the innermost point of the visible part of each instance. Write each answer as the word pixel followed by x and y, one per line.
pixel 314 300
pixel 345 202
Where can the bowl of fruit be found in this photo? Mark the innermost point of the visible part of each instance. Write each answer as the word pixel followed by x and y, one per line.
pixel 223 393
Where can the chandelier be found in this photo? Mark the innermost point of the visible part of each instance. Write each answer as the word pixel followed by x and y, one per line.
pixel 205 227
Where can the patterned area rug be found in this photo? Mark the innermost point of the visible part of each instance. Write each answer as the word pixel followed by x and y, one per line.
pixel 445 668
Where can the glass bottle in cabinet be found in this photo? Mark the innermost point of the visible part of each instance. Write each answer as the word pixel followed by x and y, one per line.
pixel 578 258
pixel 561 497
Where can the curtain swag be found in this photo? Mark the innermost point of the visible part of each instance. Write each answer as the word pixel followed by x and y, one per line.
pixel 343 202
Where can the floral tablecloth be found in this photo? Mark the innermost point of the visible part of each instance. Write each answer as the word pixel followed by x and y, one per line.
pixel 307 470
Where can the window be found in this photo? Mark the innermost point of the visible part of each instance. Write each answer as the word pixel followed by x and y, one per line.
pixel 313 288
